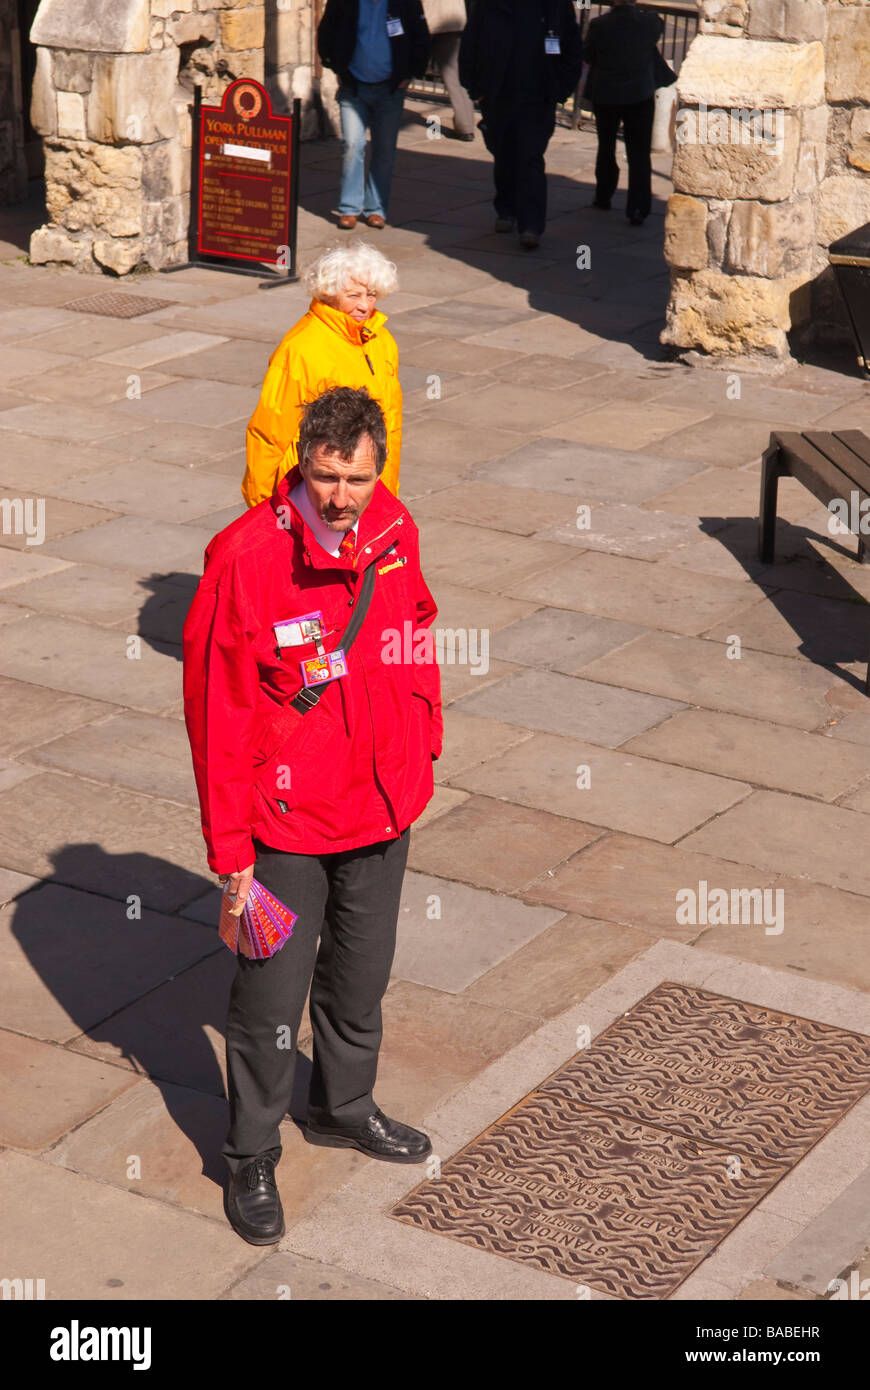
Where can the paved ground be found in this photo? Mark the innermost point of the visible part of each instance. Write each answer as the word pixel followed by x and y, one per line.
pixel 716 704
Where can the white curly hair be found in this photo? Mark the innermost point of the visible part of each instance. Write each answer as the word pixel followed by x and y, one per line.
pixel 332 271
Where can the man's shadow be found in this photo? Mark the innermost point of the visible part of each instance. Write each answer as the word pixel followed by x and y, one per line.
pixel 829 615
pixel 139 986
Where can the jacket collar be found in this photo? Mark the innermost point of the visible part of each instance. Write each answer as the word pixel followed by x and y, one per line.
pixel 346 327
pixel 380 524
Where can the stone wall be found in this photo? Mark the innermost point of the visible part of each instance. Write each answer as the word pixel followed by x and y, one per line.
pixel 771 165
pixel 113 83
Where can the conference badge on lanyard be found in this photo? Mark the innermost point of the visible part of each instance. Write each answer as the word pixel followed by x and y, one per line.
pixel 325 666
pixel 551 43
pixel 394 27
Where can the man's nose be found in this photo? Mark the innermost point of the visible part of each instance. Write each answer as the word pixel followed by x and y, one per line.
pixel 341 495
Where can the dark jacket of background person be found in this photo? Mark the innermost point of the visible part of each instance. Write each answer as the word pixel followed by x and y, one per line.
pixel 494 66
pixel 336 40
pixel 619 47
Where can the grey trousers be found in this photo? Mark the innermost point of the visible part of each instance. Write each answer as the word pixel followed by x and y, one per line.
pixel 445 52
pixel 350 903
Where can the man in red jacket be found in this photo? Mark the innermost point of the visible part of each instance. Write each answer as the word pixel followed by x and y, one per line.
pixel 315 801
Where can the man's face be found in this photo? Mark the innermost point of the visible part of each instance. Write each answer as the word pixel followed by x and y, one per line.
pixel 340 489
pixel 356 300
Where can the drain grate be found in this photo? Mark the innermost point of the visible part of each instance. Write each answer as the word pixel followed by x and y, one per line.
pixel 113 305
pixel 630 1163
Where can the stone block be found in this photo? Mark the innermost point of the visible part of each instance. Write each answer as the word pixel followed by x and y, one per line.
pixel 847 76
pixel 72 71
pixel 813 150
pixel 71 116
pixel 722 17
pixel 249 62
pixel 729 72
pixel 685 232
pixel 43 101
pixel 718 213
pixel 101 26
pixel 719 313
pixel 732 158
pixel 131 100
pixel 796 21
pixel 770 239
pixel 191 27
pixel 55 245
pixel 859 140
pixel 243 28
pixel 844 204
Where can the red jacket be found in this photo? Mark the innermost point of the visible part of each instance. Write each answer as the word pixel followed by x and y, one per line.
pixel 355 770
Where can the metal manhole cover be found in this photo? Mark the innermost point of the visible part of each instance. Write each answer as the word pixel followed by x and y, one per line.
pixel 117 306
pixel 626 1167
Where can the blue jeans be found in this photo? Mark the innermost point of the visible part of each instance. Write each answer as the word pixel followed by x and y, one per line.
pixel 375 106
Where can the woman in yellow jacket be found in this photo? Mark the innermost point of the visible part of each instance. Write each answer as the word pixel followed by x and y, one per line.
pixel 341 341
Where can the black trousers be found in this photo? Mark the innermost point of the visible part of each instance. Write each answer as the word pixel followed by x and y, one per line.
pixel 350 901
pixel 637 124
pixel 517 137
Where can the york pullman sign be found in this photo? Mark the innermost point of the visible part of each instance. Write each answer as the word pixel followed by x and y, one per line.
pixel 245 174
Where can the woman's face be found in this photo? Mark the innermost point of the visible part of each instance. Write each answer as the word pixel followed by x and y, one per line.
pixel 356 300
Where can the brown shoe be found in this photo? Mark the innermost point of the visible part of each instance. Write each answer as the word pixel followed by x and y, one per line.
pixel 374 219
pixel 347 221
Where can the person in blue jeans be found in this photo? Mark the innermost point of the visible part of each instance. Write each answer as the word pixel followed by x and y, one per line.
pixel 375 47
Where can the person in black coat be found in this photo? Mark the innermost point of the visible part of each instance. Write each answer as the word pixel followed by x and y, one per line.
pixel 375 47
pixel 519 58
pixel 620 47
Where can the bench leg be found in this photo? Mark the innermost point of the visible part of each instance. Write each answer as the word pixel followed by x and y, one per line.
pixel 770 473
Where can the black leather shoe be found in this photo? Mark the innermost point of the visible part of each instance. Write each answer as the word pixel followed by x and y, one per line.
pixel 378 1136
pixel 252 1204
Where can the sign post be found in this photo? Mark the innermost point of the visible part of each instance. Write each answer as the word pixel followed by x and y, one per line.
pixel 244 185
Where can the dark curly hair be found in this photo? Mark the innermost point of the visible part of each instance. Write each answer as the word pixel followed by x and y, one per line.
pixel 338 419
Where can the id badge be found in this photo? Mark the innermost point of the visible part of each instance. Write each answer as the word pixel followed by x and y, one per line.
pixel 295 632
pixel 551 44
pixel 394 28
pixel 319 669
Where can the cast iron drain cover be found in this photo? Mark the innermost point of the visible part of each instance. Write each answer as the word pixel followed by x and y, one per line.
pixel 630 1163
pixel 117 306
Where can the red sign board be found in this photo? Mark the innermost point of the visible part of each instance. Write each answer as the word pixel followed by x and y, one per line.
pixel 246 178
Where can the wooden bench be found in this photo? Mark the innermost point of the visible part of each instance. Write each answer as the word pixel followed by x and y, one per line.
pixel 831 465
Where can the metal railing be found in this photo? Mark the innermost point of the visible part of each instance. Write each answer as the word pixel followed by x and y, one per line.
pixel 681 25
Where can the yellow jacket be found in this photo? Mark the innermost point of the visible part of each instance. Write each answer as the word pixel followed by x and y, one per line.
pixel 325 348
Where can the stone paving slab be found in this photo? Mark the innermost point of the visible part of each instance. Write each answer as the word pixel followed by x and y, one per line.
pixel 617 586
pixel 164 348
pixel 30 1071
pixel 469 740
pixel 766 754
pixel 720 493
pixel 622 529
pixel 459 606
pixel 723 440
pixel 89 335
pixel 95 383
pixel 496 403
pixel 472 931
pixel 238 363
pixel 73 958
pixel 103 839
pixel 94 1242
pixel 554 703
pixel 699 673
pixel 27 322
pixel 142 487
pixel 66 654
pixel 758 399
pixel 517 510
pixel 815 1257
pixel 290 1277
pixel 27 468
pixel 187 446
pixel 587 474
pixel 138 751
pixel 17 566
pixel 624 424
pixel 793 836
pixel 93 593
pixel 174 1031
pixel 478 557
pixel 32 714
pixel 208 403
pixel 560 639
pixel 18 363
pixel 827 631
pixel 624 793
pixel 77 424
pixel 493 844
pixel 139 545
pixel 59 518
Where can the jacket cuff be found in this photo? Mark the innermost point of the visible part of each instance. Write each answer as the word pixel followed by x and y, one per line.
pixel 232 861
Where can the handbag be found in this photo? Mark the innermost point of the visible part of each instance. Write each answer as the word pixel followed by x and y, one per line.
pixel 663 73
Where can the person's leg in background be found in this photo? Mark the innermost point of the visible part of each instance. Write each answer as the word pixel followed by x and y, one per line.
pixel 445 52
pixel 385 119
pixel 353 133
pixel 499 135
pixel 637 126
pixel 535 125
pixel 350 978
pixel 607 120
